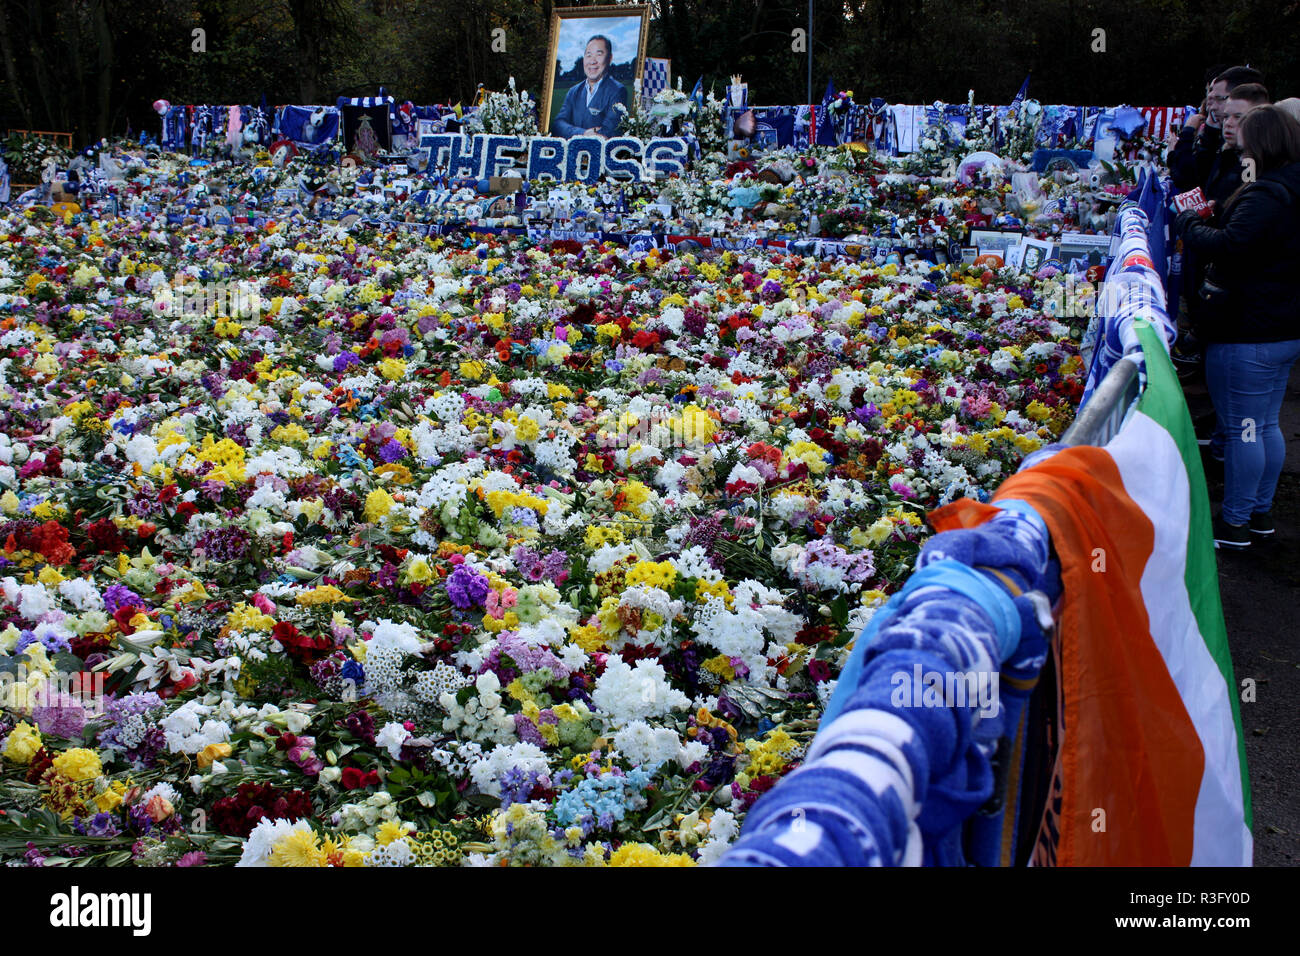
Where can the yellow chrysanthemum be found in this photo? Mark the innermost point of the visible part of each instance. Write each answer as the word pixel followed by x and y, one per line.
pixel 392 830
pixel 656 574
pixel 78 764
pixel 378 503
pixel 24 740
pixel 642 854
pixel 298 848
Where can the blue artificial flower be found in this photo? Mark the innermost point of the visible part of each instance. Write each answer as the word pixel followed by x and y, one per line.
pixel 353 671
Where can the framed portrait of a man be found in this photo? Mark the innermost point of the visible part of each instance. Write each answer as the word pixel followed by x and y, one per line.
pixel 596 55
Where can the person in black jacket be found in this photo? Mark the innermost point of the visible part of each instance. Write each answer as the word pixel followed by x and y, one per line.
pixel 1225 175
pixel 1204 158
pixel 1252 316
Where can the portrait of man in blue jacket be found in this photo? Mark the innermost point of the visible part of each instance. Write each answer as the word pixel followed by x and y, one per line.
pixel 589 106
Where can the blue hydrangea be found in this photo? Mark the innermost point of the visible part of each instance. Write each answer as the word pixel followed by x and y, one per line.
pixel 601 802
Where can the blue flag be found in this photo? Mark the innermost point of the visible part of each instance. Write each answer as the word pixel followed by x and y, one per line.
pixel 697 94
pixel 1020 96
pixel 825 134
pixel 1153 201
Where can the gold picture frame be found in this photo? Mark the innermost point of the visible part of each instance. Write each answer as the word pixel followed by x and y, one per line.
pixel 573 15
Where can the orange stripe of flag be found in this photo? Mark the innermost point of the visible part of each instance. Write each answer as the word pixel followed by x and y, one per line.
pixel 1128 747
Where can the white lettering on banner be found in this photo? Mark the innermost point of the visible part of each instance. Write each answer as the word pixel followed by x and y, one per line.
pixel 581 159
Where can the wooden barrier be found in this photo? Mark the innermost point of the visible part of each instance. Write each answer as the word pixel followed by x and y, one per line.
pixel 64 138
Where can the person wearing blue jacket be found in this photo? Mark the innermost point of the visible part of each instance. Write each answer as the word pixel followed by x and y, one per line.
pixel 1251 298
pixel 590 107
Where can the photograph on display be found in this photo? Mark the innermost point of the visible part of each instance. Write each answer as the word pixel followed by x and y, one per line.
pixel 1077 245
pixel 1015 256
pixel 1034 253
pixel 596 55
pixel 995 240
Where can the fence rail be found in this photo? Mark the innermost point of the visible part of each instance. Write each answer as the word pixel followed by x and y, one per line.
pixel 64 138
pixel 1104 414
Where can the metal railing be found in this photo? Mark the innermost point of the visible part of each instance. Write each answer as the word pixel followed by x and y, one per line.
pixel 1104 414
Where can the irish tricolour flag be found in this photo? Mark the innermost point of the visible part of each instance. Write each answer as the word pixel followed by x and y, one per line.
pixel 1151 763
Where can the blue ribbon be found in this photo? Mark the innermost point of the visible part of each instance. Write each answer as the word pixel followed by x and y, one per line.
pixel 953 575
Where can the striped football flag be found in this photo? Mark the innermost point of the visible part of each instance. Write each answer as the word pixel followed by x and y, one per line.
pixel 1151 724
pixel 655 78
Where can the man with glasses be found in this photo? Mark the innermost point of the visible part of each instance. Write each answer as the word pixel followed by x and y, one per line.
pixel 1193 155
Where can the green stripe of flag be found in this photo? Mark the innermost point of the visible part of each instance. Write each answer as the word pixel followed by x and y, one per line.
pixel 1163 402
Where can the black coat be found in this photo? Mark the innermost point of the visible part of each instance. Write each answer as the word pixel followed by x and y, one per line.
pixel 1224 176
pixel 1254 256
pixel 1192 156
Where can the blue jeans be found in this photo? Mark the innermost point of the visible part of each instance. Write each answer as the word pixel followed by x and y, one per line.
pixel 1247 381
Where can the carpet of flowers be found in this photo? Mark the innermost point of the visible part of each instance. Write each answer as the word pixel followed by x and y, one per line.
pixel 461 551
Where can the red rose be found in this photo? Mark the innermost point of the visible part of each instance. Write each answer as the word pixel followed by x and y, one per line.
pixel 123 617
pixel 351 778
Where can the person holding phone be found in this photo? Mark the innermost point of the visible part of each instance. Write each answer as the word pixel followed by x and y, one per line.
pixel 1205 159
pixel 589 106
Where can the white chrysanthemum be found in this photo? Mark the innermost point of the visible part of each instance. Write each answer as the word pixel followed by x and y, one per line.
pixel 267 833
pixel 267 497
pixel 547 632
pixel 692 752
pixel 556 453
pixel 647 746
pixel 82 594
pixel 606 555
pixel 142 449
pixel 669 476
pixel 722 830
pixel 486 772
pixel 735 634
pixel 443 679
pixel 391 635
pixel 573 657
pixel 185 734
pixel 624 694
pixel 391 738
pixel 750 591
pixel 671 318
pixel 694 563
pixel 34 601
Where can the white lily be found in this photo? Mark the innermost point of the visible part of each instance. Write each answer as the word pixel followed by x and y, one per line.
pixel 160 662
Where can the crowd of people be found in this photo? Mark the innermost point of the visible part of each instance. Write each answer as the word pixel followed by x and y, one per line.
pixel 1241 289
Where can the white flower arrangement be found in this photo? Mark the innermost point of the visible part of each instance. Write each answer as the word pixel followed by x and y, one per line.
pixel 27 157
pixel 637 120
pixel 508 113
pixel 709 127
pixel 669 105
